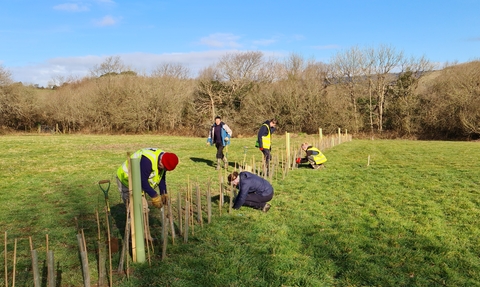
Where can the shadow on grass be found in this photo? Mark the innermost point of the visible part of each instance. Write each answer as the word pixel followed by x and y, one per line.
pixel 211 163
pixel 119 218
pixel 202 160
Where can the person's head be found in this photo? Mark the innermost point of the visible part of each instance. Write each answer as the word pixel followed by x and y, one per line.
pixel 168 161
pixel 233 178
pixel 218 120
pixel 305 146
pixel 273 123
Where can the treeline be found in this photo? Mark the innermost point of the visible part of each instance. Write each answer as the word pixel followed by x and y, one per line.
pixel 366 91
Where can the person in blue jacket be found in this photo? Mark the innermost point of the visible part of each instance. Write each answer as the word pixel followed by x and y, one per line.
pixel 220 135
pixel 254 191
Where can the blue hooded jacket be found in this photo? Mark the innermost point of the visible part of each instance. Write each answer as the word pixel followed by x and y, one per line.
pixel 226 133
pixel 251 183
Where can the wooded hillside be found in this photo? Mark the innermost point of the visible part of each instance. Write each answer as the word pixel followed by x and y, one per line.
pixel 366 91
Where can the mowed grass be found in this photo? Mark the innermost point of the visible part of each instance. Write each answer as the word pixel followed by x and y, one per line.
pixel 410 218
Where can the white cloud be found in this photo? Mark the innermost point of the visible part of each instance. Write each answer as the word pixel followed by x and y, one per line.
pixel 79 67
pixel 106 21
pixel 142 63
pixel 71 7
pixel 221 40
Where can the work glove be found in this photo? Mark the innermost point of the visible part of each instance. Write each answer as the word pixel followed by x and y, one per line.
pixel 260 148
pixel 157 201
pixel 164 199
pixel 298 160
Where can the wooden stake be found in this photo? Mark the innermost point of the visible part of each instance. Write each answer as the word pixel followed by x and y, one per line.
pixel 83 257
pixel 100 249
pixel 231 199
pixel 180 225
pixel 126 241
pixel 130 206
pixel 109 248
pixel 14 262
pixel 36 276
pixel 6 266
pixel 209 203
pixel 190 211
pixel 199 206
pixel 147 233
pixel 164 235
pixel 170 217
pixel 187 220
pixel 51 271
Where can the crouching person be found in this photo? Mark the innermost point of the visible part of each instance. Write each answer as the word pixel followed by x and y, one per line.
pixel 254 191
pixel 313 156
pixel 154 164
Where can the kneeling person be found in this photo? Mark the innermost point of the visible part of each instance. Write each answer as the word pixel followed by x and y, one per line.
pixel 254 191
pixel 313 156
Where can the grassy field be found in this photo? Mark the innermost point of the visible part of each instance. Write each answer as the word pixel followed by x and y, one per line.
pixel 410 218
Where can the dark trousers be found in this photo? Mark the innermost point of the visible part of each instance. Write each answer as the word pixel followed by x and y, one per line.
pixel 257 201
pixel 266 156
pixel 219 150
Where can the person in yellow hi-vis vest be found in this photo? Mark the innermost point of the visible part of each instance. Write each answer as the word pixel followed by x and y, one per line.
pixel 154 164
pixel 264 140
pixel 313 156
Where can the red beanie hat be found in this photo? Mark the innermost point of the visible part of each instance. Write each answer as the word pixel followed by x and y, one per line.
pixel 169 160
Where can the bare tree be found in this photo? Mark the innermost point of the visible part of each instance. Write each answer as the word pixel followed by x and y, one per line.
pixel 177 71
pixel 348 69
pixel 112 65
pixel 208 94
pixel 5 76
pixel 383 61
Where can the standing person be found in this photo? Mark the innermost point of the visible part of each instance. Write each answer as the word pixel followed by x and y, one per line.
pixel 220 135
pixel 254 191
pixel 154 164
pixel 264 140
pixel 313 156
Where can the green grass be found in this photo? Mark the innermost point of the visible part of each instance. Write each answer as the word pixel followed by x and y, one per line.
pixel 410 218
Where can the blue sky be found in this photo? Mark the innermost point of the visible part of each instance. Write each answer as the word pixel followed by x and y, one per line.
pixel 43 39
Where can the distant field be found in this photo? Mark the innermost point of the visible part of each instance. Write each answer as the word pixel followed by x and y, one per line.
pixel 410 218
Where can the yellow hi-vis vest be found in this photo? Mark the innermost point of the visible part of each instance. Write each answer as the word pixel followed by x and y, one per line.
pixel 318 156
pixel 267 140
pixel 153 155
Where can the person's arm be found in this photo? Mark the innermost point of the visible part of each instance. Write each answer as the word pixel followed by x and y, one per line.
pixel 244 186
pixel 228 130
pixel 163 184
pixel 210 136
pixel 145 170
pixel 305 159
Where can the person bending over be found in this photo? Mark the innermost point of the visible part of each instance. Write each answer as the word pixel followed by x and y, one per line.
pixel 254 191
